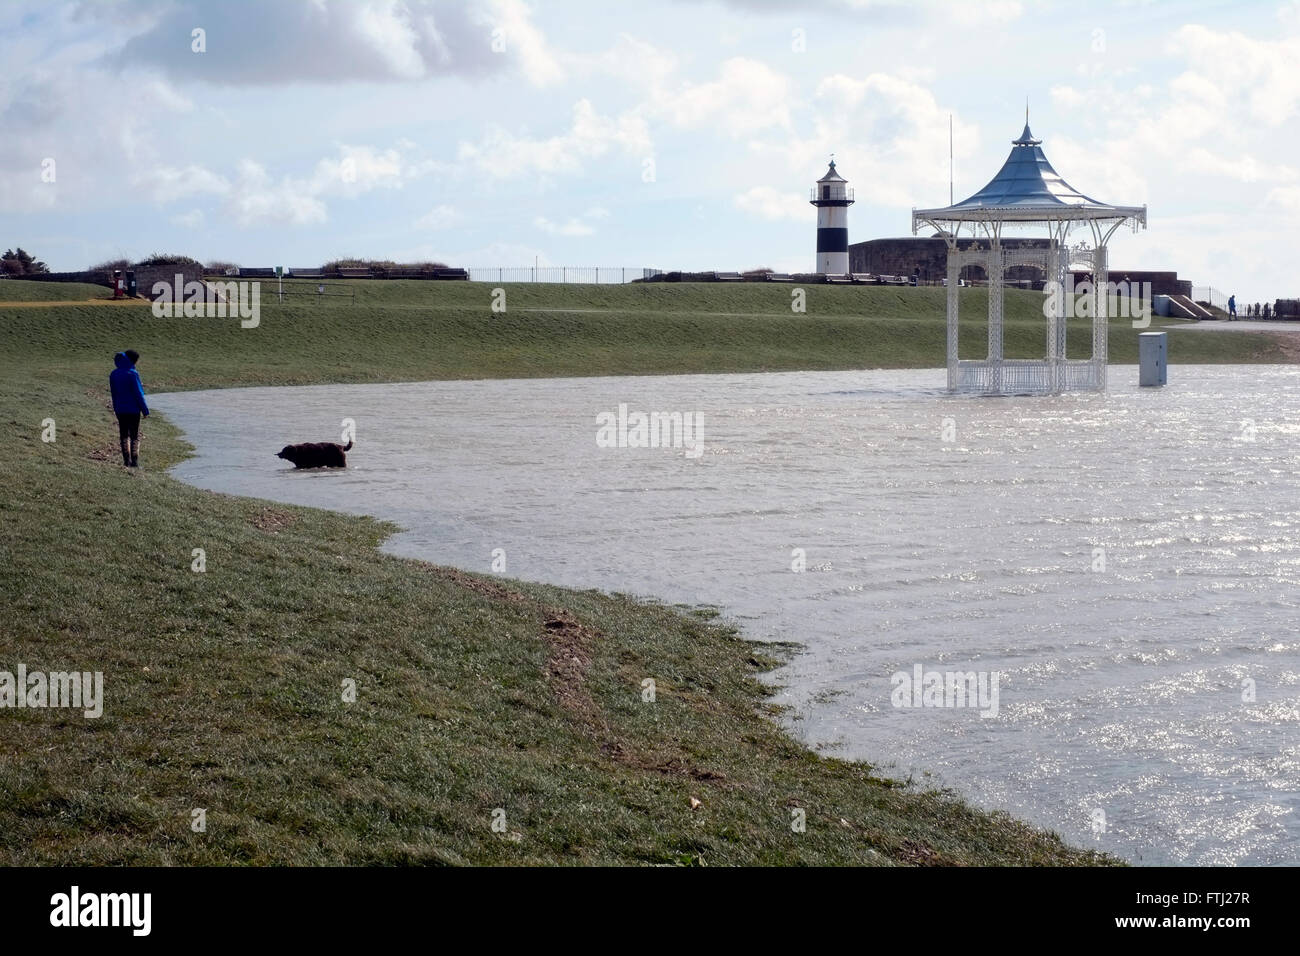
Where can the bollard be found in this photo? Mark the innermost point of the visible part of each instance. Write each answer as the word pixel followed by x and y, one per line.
pixel 1153 358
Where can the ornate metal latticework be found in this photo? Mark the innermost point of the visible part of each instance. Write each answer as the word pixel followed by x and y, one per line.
pixel 1029 192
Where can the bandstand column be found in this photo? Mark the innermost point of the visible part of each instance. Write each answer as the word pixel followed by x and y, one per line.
pixel 1055 315
pixel 1101 308
pixel 954 273
pixel 994 269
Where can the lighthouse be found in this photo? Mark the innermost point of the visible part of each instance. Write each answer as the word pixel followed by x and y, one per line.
pixel 832 197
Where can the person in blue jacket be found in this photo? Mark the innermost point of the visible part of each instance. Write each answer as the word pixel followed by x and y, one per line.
pixel 128 404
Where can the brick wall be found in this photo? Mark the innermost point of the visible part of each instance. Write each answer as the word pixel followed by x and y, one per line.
pixel 929 257
pixel 145 277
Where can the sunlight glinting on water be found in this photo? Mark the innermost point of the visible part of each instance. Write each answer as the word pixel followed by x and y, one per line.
pixel 1127 563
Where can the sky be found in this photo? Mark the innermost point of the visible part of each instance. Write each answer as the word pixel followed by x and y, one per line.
pixel 683 134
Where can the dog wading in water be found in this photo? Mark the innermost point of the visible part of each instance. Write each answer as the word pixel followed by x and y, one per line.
pixel 316 454
pixel 128 404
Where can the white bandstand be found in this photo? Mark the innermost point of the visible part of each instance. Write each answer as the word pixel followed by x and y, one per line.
pixel 1028 192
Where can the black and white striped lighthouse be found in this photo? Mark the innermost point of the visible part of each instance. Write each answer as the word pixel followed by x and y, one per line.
pixel 832 197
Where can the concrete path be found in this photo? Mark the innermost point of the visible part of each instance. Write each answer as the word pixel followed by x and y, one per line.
pixel 1241 325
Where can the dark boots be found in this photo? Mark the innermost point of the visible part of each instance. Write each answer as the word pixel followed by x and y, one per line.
pixel 126 453
pixel 135 453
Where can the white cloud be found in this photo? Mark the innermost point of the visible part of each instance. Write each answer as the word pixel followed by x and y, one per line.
pixel 747 97
pixel 1067 98
pixel 1255 76
pixel 357 170
pixel 250 42
pixel 166 183
pixel 526 41
pixel 1208 120
pixel 1106 174
pixel 1214 138
pixel 768 203
pixel 977 13
pixel 439 217
pixel 1239 166
pixel 58 115
pixel 155 93
pixel 1287 197
pixel 996 13
pixel 573 227
pixel 257 200
pixel 630 60
pixel 395 38
pixel 502 155
pixel 194 219
pixel 889 134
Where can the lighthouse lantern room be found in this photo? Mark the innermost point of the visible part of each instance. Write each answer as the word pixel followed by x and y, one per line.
pixel 832 197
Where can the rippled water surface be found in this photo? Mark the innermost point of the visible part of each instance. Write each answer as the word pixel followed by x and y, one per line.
pixel 1127 562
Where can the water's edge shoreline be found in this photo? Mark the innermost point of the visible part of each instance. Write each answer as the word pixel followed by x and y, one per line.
pixel 224 625
pixel 779 650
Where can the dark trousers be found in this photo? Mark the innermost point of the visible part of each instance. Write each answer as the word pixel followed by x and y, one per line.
pixel 128 426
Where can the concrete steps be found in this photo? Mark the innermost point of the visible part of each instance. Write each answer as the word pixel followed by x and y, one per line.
pixel 1182 307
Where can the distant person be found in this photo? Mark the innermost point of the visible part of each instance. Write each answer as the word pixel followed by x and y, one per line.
pixel 128 404
pixel 1266 310
pixel 1232 308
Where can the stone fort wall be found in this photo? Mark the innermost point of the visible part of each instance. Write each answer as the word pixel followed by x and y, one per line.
pixel 928 258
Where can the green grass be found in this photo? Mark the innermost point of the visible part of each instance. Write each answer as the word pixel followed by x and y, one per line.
pixel 25 291
pixel 413 330
pixel 223 688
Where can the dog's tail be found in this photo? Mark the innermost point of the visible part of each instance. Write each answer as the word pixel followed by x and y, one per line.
pixel 348 446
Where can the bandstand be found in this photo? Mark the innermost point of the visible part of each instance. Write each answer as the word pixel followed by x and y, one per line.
pixel 1028 193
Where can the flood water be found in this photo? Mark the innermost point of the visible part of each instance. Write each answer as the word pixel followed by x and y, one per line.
pixel 1126 563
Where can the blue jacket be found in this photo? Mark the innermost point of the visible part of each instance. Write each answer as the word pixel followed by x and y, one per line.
pixel 124 382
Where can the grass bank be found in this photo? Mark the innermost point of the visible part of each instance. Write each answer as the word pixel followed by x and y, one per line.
pixel 412 330
pixel 477 700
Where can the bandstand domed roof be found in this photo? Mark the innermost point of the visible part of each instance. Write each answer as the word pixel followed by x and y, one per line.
pixel 1028 189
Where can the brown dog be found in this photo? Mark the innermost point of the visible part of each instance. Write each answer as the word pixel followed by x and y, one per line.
pixel 316 454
